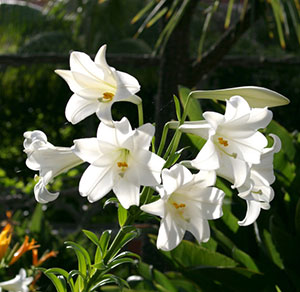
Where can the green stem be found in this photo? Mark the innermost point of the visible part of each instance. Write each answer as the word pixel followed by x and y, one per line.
pixel 163 139
pixel 176 138
pixel 140 114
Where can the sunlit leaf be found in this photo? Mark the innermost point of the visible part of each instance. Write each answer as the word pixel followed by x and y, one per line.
pixel 143 11
pixel 122 215
pixel 177 107
pixel 255 96
pixel 228 13
pixel 212 9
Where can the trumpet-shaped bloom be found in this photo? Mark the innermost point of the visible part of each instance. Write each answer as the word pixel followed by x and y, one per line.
pixel 120 160
pixel 26 246
pixel 49 160
pixel 257 190
pixel 5 238
pixel 187 203
pixel 233 140
pixel 19 283
pixel 37 262
pixel 96 87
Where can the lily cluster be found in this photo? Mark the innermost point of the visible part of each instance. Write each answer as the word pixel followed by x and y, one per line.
pixel 120 160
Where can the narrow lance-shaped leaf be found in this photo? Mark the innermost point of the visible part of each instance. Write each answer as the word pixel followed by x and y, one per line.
pixel 149 17
pixel 177 107
pixel 172 8
pixel 212 9
pixel 122 215
pixel 142 12
pixel 158 16
pixel 58 281
pixel 64 273
pixel 165 34
pixel 244 9
pixel 228 14
pixel 276 11
pixel 295 19
pixel 254 95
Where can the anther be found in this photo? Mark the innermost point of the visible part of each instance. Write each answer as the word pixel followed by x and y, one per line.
pixel 223 142
pixel 108 96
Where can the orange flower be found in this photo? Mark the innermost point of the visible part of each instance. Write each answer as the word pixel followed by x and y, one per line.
pixel 26 246
pixel 44 257
pixel 5 238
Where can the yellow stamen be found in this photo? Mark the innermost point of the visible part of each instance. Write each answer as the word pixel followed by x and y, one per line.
pixel 123 165
pixel 223 142
pixel 177 206
pixel 108 96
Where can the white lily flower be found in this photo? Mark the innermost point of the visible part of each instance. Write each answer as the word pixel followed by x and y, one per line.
pixel 233 139
pixel 96 87
pixel 49 160
pixel 187 203
pixel 257 190
pixel 120 161
pixel 19 283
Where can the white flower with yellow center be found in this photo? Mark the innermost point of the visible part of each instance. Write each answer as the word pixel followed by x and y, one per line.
pixel 19 283
pixel 233 140
pixel 120 161
pixel 187 202
pixel 257 190
pixel 49 160
pixel 96 87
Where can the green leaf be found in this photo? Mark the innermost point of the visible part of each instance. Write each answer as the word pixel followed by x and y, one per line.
pixel 168 29
pixel 188 254
pixel 255 96
pixel 228 13
pixel 36 220
pixel 127 254
pixel 122 215
pixel 109 201
pixel 173 158
pixel 277 13
pixel 142 12
pixel 64 273
pixel 116 262
pixel 158 16
pixel 152 14
pixel 244 259
pixel 297 218
pixel 104 241
pixel 84 261
pixel 58 281
pixel 229 219
pixel 177 107
pixel 212 9
pixel 162 283
pixel 92 236
pixel 194 111
pixel 145 270
pixel 295 18
pixel 271 249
